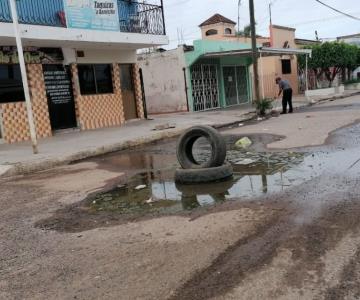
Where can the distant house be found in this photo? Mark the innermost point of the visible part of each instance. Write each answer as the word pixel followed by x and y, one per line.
pixel 217 71
pixel 196 78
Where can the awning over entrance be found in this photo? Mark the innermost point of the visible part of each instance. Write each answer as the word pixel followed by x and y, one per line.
pixel 262 52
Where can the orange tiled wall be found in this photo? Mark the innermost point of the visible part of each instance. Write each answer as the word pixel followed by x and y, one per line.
pixel 15 123
pixel 97 111
pixel 138 91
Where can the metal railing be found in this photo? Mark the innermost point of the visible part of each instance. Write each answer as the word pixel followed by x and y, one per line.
pixel 134 16
pixel 35 12
pixel 141 17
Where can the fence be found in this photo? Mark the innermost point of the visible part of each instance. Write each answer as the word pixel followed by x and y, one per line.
pixel 36 12
pixel 141 17
pixel 134 16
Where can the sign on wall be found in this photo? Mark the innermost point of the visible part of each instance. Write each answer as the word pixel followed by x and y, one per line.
pixel 32 55
pixel 92 14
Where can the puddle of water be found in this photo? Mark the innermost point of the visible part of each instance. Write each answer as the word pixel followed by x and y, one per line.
pixel 155 191
pixel 255 174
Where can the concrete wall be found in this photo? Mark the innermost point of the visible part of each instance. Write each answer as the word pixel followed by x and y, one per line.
pixel 47 36
pixel 164 81
pixel 279 35
pixel 95 56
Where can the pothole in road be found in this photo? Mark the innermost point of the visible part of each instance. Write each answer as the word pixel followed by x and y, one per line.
pixel 150 191
pixel 155 191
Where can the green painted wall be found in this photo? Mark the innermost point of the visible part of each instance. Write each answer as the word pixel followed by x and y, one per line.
pixel 202 47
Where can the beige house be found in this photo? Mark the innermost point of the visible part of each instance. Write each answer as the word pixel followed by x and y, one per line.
pixel 221 28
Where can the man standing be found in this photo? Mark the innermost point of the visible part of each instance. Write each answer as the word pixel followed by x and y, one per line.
pixel 286 90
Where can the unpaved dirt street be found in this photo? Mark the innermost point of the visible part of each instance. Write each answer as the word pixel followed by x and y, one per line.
pixel 288 228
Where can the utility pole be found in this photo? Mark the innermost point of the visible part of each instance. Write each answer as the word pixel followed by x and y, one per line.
pixel 239 5
pixel 270 13
pixel 254 49
pixel 19 47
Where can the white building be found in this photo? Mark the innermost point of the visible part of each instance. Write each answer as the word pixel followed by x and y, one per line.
pixel 81 65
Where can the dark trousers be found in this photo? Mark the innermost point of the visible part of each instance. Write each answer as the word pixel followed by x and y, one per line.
pixel 287 99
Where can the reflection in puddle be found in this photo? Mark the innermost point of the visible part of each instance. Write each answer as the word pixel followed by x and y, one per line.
pixel 155 190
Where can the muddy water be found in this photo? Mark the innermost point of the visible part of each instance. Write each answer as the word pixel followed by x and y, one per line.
pixel 148 189
pixel 155 190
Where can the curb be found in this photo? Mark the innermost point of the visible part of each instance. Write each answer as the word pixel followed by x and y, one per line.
pixel 20 168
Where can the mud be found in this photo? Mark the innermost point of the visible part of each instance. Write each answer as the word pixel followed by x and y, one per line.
pixel 297 239
pixel 309 233
pixel 153 170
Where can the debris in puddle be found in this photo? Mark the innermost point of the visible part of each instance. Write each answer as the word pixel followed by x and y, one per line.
pixel 244 143
pixel 149 201
pixel 246 161
pixel 241 124
pixel 140 187
pixel 259 119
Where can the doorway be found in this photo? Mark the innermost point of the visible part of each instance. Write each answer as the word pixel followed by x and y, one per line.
pixel 204 83
pixel 128 92
pixel 235 85
pixel 60 97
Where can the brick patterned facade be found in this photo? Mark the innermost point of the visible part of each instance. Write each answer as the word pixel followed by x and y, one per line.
pixel 138 91
pixel 98 111
pixel 92 112
pixel 14 116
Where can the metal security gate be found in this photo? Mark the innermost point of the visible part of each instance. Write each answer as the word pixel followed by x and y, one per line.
pixel 205 91
pixel 235 85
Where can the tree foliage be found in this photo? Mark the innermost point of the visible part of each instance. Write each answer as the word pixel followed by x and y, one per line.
pixel 330 59
pixel 246 32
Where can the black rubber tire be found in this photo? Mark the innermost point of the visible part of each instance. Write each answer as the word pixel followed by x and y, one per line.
pixel 211 189
pixel 186 143
pixel 196 176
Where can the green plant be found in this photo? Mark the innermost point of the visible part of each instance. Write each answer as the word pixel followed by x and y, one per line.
pixel 351 81
pixel 263 105
pixel 331 59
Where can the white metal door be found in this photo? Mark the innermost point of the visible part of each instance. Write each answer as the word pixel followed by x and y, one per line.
pixel 204 82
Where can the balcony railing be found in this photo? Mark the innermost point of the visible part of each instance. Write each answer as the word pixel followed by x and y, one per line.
pixel 35 12
pixel 141 17
pixel 133 16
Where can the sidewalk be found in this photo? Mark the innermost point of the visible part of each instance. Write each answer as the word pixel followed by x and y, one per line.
pixel 16 159
pixel 63 148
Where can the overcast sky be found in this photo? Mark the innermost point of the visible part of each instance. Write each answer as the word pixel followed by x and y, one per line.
pixel 305 15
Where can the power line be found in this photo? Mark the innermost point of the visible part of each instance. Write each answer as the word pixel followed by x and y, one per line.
pixel 319 20
pixel 339 11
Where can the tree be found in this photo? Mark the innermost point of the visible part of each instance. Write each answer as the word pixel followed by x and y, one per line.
pixel 246 32
pixel 330 59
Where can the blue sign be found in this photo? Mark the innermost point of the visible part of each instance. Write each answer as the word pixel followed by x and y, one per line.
pixel 92 14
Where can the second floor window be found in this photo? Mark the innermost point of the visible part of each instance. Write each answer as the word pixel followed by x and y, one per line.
pixel 211 32
pixel 95 79
pixel 286 66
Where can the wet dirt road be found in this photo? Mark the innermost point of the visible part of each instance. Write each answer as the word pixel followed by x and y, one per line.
pixel 278 231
